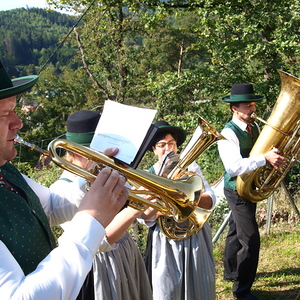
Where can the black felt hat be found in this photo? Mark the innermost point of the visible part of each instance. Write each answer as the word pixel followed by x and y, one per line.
pixel 81 126
pixel 242 92
pixel 11 87
pixel 165 127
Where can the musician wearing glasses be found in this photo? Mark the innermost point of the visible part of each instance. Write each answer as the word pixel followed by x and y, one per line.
pixel 178 269
pixel 32 266
pixel 119 272
pixel 243 240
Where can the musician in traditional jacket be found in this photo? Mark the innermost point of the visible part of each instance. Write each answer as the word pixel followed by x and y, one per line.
pixel 243 240
pixel 31 265
pixel 179 269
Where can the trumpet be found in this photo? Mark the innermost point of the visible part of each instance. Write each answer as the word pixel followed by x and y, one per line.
pixel 176 199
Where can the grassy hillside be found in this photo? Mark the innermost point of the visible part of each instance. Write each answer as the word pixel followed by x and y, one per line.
pixel 278 276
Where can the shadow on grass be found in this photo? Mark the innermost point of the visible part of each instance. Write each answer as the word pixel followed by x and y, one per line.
pixel 283 284
pixel 290 294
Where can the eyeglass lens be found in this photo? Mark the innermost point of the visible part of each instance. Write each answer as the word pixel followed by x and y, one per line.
pixel 170 143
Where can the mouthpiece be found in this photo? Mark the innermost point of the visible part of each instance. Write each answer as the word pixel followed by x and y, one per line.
pixel 20 141
pixel 254 116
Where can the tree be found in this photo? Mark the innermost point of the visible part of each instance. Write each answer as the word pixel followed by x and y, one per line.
pixel 58 93
pixel 181 57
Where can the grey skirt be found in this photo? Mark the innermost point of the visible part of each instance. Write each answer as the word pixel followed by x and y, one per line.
pixel 183 270
pixel 121 274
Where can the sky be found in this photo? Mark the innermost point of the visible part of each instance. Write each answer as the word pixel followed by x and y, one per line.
pixel 10 4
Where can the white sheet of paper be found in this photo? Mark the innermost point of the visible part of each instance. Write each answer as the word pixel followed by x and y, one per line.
pixel 122 126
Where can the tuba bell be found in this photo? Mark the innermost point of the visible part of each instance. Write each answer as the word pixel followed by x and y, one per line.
pixel 282 132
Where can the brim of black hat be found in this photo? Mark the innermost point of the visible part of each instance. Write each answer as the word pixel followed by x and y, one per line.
pixel 179 132
pixel 228 100
pixel 61 151
pixel 64 137
pixel 20 85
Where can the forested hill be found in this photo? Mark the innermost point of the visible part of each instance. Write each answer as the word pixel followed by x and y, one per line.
pixel 30 36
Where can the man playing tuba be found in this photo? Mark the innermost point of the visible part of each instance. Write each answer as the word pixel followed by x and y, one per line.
pixel 243 240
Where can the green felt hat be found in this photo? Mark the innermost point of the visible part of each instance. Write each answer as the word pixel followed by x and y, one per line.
pixel 11 87
pixel 242 92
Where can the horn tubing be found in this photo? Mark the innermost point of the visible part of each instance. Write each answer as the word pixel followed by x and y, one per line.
pixel 20 141
pixel 284 134
pixel 255 116
pixel 179 196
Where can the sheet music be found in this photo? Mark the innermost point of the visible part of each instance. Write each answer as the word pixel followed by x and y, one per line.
pixel 124 127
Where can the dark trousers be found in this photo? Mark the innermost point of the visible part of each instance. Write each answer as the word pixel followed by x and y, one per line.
pixel 87 291
pixel 148 252
pixel 242 244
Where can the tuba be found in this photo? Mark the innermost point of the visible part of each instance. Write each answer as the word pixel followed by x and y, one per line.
pixel 282 132
pixel 204 136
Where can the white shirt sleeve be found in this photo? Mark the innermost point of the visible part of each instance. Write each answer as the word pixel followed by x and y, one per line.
pixel 233 162
pixel 74 191
pixel 57 208
pixel 61 274
pixel 194 167
pixel 60 203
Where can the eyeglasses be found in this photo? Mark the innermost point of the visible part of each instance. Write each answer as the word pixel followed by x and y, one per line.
pixel 171 144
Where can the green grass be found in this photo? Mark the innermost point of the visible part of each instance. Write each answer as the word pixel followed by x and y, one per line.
pixel 278 275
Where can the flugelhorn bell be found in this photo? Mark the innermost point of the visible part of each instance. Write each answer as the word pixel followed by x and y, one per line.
pixel 177 199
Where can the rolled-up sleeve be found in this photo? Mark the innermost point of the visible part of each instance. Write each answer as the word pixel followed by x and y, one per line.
pixel 194 167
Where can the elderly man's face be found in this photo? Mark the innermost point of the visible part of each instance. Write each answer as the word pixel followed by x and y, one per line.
pixel 9 125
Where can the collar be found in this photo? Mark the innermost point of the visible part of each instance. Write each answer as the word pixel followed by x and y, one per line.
pixel 239 123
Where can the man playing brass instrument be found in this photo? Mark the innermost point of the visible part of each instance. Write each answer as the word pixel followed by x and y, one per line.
pixel 31 266
pixel 243 240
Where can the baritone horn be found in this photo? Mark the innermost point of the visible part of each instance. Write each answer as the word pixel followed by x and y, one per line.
pixel 282 131
pixel 177 199
pixel 204 136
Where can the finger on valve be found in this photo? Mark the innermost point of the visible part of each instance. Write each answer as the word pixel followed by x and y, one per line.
pixel 106 197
